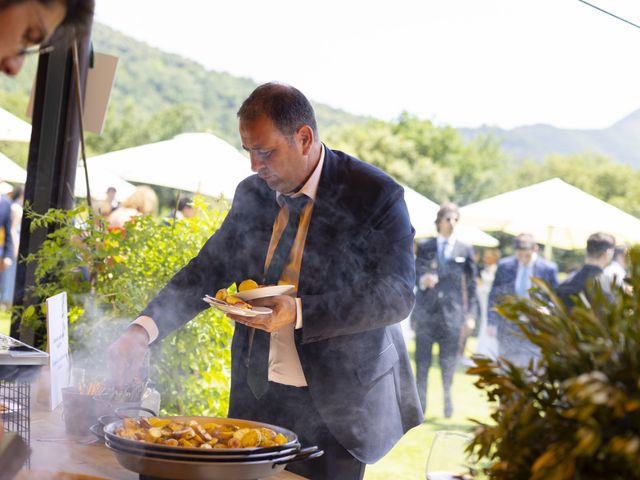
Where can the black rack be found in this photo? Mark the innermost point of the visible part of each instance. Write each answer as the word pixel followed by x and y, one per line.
pixel 15 408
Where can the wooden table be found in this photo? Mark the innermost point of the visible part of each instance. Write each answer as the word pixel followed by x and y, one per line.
pixel 52 449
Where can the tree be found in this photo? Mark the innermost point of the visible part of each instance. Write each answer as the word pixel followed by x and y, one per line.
pixel 435 161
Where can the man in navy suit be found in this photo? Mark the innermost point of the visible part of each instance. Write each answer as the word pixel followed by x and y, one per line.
pixel 577 288
pixel 338 373
pixel 445 300
pixel 513 277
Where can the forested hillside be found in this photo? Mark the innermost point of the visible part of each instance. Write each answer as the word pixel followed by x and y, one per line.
pixel 156 87
pixel 620 141
pixel 158 95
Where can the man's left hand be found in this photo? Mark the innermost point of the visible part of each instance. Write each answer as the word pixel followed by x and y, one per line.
pixel 284 313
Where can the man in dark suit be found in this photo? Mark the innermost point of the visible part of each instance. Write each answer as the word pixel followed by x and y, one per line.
pixel 577 287
pixel 445 300
pixel 338 371
pixel 513 277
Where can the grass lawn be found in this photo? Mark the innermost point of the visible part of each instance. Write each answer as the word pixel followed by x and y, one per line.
pixel 5 323
pixel 407 460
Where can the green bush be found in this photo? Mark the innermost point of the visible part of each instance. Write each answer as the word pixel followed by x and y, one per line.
pixel 110 275
pixel 577 414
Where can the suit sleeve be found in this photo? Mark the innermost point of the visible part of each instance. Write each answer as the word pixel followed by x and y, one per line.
pixel 422 262
pixel 497 291
pixel 471 272
pixel 553 275
pixel 383 294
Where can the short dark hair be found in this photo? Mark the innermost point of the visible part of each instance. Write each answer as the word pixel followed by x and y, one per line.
pixel 285 105
pixel 184 202
pixel 446 209
pixel 599 243
pixel 524 241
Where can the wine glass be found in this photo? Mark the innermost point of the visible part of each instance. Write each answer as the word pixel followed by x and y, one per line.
pixel 447 459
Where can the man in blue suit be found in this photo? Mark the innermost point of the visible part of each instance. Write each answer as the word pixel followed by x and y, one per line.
pixel 513 277
pixel 330 362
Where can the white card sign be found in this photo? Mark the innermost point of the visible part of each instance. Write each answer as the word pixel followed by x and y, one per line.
pixel 58 333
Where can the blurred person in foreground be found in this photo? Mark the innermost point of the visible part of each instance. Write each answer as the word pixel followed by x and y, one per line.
pixel 330 362
pixel 446 302
pixel 143 201
pixel 27 25
pixel 577 287
pixel 513 277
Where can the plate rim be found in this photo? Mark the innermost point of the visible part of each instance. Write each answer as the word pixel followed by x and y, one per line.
pixel 246 295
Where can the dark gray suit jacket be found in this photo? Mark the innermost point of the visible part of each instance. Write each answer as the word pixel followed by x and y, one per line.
pixel 356 285
pixel 455 293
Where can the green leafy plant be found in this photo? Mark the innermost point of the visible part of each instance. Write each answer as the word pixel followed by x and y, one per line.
pixel 110 275
pixel 576 415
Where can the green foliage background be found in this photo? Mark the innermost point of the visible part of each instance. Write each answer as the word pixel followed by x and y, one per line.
pixel 110 275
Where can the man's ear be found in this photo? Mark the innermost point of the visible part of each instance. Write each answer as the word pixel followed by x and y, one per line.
pixel 305 138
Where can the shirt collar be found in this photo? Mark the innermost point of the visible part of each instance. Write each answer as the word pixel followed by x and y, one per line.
pixel 451 240
pixel 534 257
pixel 310 188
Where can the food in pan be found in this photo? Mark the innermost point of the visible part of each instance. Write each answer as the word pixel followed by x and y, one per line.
pixel 192 434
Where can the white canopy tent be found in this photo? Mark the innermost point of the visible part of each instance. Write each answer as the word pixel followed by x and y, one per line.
pixel 423 211
pixel 193 162
pixel 13 129
pixel 11 171
pixel 99 181
pixel 555 213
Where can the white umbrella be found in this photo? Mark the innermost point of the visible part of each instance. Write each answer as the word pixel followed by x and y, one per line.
pixel 12 128
pixel 99 181
pixel 193 162
pixel 555 213
pixel 11 171
pixel 423 211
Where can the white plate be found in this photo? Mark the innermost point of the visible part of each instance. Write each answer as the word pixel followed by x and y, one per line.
pixel 263 292
pixel 244 312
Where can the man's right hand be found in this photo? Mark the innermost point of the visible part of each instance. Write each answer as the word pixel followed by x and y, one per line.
pixel 127 353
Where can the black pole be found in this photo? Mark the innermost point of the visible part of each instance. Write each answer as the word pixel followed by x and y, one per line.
pixel 53 155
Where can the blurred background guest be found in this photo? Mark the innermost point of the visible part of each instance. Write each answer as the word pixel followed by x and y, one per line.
pixel 445 301
pixel 513 277
pixel 9 275
pixel 600 249
pixel 487 345
pixel 143 201
pixel 185 209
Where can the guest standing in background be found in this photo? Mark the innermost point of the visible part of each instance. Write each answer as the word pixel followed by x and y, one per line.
pixel 9 275
pixel 445 300
pixel 513 277
pixel 577 287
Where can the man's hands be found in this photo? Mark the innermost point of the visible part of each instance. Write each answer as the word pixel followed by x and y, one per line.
pixel 428 280
pixel 284 313
pixel 127 353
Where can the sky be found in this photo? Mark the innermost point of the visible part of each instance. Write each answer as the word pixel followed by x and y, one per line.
pixel 463 63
